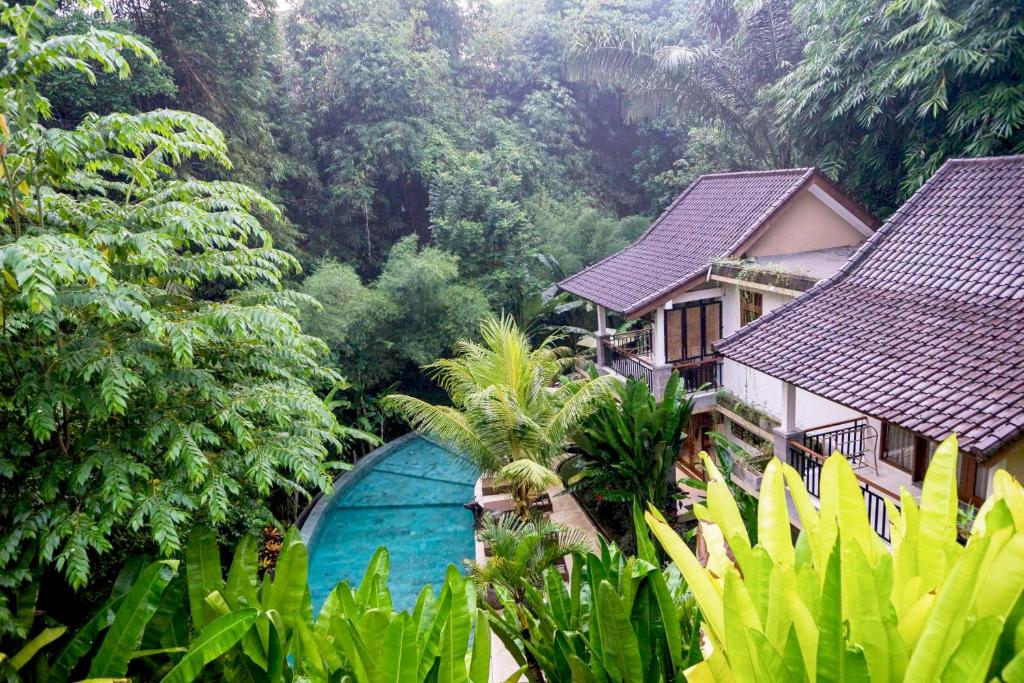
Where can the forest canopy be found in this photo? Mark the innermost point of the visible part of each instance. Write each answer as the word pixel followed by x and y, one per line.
pixel 212 265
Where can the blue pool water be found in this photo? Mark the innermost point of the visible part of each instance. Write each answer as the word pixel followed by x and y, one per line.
pixel 408 498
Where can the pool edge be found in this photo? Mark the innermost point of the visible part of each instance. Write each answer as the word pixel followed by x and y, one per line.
pixel 312 522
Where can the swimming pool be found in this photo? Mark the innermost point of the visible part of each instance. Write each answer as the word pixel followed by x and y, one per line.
pixel 406 495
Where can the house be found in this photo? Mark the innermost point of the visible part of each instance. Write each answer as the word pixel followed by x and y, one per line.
pixel 730 248
pixel 919 335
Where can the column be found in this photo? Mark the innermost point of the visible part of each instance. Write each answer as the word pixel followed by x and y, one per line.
pixel 788 408
pixel 658 337
pixel 602 334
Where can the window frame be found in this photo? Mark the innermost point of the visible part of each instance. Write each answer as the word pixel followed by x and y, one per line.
pixel 703 304
pixel 756 306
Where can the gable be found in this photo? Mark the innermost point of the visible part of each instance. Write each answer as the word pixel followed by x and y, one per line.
pixel 807 223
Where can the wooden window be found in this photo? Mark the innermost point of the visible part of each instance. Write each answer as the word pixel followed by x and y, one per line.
pixel 691 329
pixel 972 481
pixel 751 306
pixel 913 453
pixel 712 327
pixel 673 334
pixel 694 338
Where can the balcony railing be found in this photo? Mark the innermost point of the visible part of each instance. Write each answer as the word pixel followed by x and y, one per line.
pixel 627 364
pixel 630 354
pixel 703 373
pixel 808 464
pixel 632 343
pixel 855 439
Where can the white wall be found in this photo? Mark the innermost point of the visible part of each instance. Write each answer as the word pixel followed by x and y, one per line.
pixel 762 391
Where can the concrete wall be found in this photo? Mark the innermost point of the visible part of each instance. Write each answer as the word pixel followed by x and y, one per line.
pixel 762 391
pixel 807 224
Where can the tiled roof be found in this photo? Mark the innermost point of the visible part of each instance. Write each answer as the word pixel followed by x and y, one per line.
pixel 924 327
pixel 710 219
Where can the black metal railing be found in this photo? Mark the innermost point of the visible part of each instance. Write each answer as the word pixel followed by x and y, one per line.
pixel 808 464
pixel 855 439
pixel 707 374
pixel 627 364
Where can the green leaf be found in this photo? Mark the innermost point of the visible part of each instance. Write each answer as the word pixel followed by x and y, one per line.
pixel 213 641
pixel 398 653
pixel 621 655
pixel 202 571
pixel 32 647
pixel 125 634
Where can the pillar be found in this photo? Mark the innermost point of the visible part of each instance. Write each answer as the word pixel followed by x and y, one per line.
pixel 658 337
pixel 602 334
pixel 788 407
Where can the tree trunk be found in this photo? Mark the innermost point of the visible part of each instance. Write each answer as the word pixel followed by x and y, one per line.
pixel 534 672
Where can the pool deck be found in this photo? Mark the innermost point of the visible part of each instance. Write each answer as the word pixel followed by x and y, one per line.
pixel 565 510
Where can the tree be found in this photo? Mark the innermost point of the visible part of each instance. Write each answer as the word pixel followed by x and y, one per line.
pixel 412 314
pixel 887 90
pixel 512 410
pixel 710 76
pixel 154 372
pixel 841 604
pixel 629 445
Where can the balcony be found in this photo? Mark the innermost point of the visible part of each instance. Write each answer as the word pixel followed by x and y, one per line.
pixel 631 354
pixel 855 440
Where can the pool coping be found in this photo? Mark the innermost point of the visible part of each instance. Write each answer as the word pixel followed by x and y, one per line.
pixel 344 481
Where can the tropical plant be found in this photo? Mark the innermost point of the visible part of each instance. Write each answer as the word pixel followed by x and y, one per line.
pixel 153 370
pixel 841 605
pixel 179 626
pixel 710 79
pixel 512 410
pixel 521 555
pixel 621 619
pixel 726 453
pixel 630 444
pixel 887 90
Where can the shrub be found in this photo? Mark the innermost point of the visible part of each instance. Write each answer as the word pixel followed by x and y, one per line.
pixel 841 605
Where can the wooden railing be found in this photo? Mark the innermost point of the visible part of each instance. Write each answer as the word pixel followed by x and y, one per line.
pixel 632 343
pixel 627 364
pixel 808 464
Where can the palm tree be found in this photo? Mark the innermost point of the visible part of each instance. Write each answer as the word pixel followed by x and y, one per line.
pixel 512 409
pixel 521 552
pixel 716 77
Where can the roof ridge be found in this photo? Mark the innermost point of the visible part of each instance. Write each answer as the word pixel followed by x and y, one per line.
pixel 984 161
pixel 768 171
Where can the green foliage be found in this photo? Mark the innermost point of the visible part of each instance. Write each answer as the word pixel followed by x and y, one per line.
pixel 72 95
pixel 153 371
pixel 246 628
pixel 841 604
pixel 620 619
pixel 629 445
pixel 577 236
pixel 713 76
pixel 522 551
pixel 889 89
pixel 508 416
pixel 412 314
